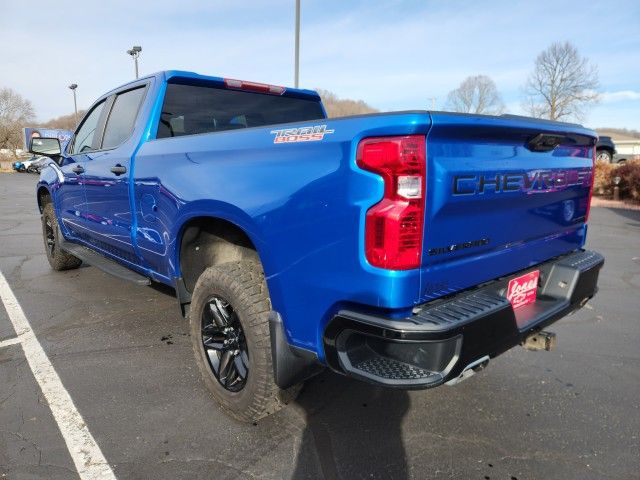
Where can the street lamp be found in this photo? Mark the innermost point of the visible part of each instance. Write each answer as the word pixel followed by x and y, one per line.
pixel 73 87
pixel 135 53
pixel 616 189
pixel 297 61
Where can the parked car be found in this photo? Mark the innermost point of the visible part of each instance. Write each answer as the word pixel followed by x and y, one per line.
pixel 404 249
pixel 32 165
pixel 38 164
pixel 18 166
pixel 605 150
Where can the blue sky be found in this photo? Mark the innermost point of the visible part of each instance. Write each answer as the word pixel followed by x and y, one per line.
pixel 395 55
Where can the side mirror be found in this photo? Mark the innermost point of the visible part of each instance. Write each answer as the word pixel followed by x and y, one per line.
pixel 49 147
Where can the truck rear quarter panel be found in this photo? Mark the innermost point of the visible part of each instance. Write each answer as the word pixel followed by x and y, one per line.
pixel 302 204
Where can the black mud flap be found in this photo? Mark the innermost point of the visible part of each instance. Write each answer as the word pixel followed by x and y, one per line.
pixel 291 365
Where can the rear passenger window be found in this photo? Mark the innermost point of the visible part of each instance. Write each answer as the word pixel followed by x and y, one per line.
pixel 122 118
pixel 193 109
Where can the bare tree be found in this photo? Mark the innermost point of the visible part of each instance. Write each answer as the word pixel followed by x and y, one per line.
pixel 65 122
pixel 338 107
pixel 476 94
pixel 562 85
pixel 16 112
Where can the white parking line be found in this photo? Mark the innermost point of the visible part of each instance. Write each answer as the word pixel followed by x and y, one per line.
pixel 85 452
pixel 10 341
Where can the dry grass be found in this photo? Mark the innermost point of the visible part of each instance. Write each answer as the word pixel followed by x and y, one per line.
pixel 629 174
pixel 603 183
pixel 5 163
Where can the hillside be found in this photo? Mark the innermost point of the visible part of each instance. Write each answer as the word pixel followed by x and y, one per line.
pixel 619 133
pixel 64 122
pixel 342 107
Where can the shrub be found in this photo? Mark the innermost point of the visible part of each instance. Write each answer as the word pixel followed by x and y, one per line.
pixel 629 174
pixel 602 183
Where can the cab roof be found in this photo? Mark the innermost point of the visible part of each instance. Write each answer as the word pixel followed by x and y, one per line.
pixel 181 76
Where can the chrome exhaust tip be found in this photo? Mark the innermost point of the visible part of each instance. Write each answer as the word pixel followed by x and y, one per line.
pixel 470 370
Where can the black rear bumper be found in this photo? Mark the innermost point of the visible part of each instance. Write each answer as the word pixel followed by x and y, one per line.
pixel 443 337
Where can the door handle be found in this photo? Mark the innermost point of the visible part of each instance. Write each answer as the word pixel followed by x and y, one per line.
pixel 78 169
pixel 118 169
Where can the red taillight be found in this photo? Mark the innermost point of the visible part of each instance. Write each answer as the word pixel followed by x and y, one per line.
pixel 254 86
pixel 593 177
pixel 394 226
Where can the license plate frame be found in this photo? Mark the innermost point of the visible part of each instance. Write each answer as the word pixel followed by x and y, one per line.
pixel 523 290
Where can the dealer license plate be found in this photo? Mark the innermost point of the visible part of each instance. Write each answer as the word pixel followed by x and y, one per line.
pixel 522 290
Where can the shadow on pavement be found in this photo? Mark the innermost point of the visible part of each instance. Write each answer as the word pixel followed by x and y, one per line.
pixel 165 290
pixel 353 430
pixel 633 215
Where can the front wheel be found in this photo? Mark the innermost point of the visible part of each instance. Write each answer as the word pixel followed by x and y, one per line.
pixel 230 335
pixel 58 258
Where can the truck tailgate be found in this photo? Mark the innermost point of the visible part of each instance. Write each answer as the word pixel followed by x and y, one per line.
pixel 502 194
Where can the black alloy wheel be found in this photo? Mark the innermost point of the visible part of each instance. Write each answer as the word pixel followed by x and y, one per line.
pixel 225 344
pixel 50 238
pixel 231 339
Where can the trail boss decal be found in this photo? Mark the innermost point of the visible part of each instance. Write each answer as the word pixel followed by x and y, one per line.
pixel 302 134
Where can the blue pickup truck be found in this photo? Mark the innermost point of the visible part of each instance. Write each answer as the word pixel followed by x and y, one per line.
pixel 404 249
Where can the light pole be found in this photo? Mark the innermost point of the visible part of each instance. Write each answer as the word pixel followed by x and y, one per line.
pixel 297 62
pixel 73 87
pixel 616 189
pixel 135 53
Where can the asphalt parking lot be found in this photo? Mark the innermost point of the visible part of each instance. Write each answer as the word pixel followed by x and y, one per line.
pixel 123 354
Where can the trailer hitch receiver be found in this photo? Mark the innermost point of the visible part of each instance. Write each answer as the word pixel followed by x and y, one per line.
pixel 541 341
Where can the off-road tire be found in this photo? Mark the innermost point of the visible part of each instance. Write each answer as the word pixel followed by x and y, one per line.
pixel 58 258
pixel 243 286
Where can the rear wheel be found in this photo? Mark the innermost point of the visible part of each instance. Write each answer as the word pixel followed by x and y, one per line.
pixel 604 156
pixel 230 335
pixel 58 258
